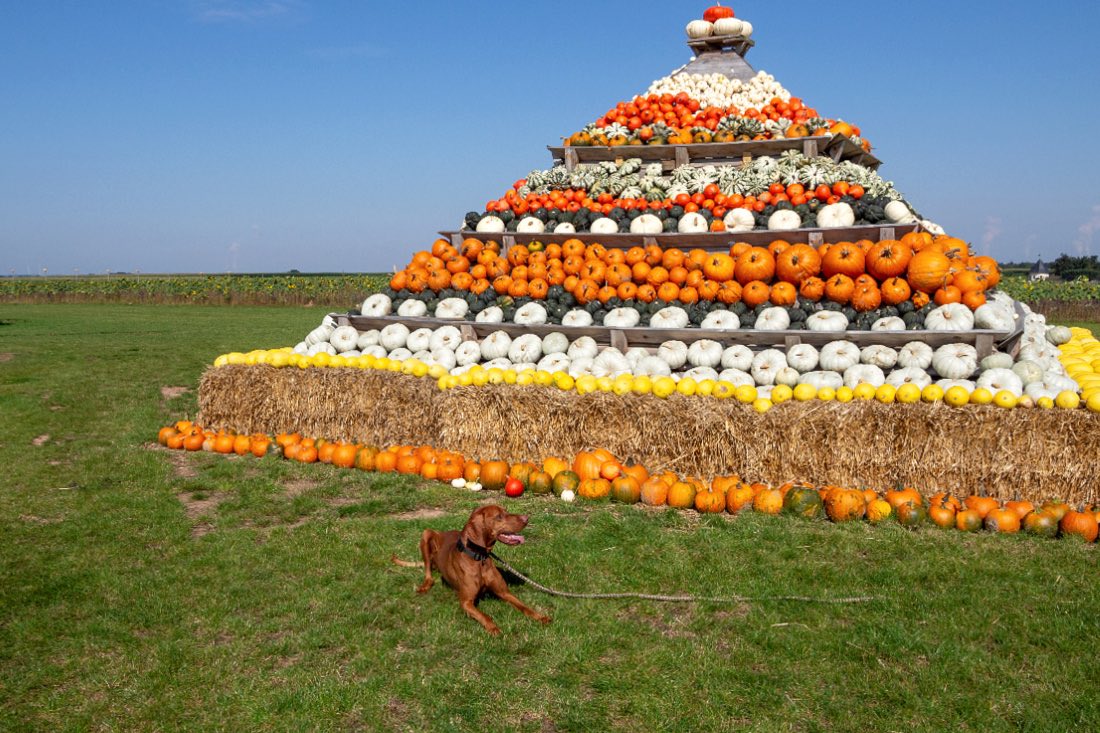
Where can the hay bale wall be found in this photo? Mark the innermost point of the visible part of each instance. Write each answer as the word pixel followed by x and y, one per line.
pixel 1034 454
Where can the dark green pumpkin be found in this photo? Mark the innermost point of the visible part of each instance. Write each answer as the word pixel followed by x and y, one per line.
pixel 803 501
pixel 911 515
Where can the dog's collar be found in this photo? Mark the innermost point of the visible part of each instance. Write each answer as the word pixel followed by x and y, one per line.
pixel 477 552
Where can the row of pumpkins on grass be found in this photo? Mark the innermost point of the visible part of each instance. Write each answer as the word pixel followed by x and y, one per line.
pixel 864 276
pixel 597 474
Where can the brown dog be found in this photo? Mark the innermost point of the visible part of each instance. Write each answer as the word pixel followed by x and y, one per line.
pixel 462 558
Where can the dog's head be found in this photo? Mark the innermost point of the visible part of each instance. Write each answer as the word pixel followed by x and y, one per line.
pixel 492 523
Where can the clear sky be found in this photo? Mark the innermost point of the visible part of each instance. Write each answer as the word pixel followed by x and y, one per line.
pixel 265 135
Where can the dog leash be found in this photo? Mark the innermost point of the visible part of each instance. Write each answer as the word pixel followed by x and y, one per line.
pixel 677 599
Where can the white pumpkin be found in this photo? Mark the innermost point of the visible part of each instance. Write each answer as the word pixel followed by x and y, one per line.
pixel 565 227
pixel 393 336
pixel 881 356
pixel 322 347
pixel 580 366
pixel 377 351
pixel 950 317
pixel 721 320
pixel 300 348
pixel 889 323
pixel 701 373
pixel 863 374
pixel 765 391
pixel 827 321
pixel 492 314
pixel 728 27
pixel 423 355
pixel 946 384
pixel 746 29
pixel 998 360
pixel 530 314
pixel 647 224
pixel 378 304
pixel 445 337
pixel 419 340
pixel 766 365
pixel 802 357
pixel 739 220
pixel 787 376
pixel 773 319
pixel 673 353
pixel 1059 335
pixel 319 334
pixel 737 377
pixel 367 338
pixel 609 363
pixel 496 345
pixel 556 362
pixel 670 317
pixel 1029 372
pixel 1060 382
pixel 502 362
pixel 700 29
pixel 897 212
pixel 996 380
pixel 525 349
pixel 737 357
pixel 836 215
pixel 445 358
pixel 635 355
pixel 1038 390
pixel 955 361
pixel 652 366
pixel 693 223
pixel 577 317
pixel 490 225
pixel 705 353
pixel 344 338
pixel 531 225
pixel 555 343
pixel 454 309
pixel 784 220
pixel 994 317
pixel 1040 353
pixel 584 347
pixel 329 321
pixel 413 309
pixel 401 354
pixel 603 225
pixel 909 375
pixel 838 356
pixel 622 318
pixel 820 380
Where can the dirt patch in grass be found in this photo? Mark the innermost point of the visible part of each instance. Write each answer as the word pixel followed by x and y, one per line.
pixel 427 513
pixel 180 464
pixel 6 357
pixel 171 393
pixel 198 506
pixel 33 519
pixel 296 488
pixel 41 439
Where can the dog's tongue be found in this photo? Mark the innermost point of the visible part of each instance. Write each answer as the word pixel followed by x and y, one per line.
pixel 511 539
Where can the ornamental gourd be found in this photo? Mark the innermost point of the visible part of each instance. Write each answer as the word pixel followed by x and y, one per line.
pixel 413 309
pixel 784 220
pixel 454 309
pixel 827 321
pixel 737 357
pixel 693 223
pixel 802 357
pixel 647 224
pixel 490 225
pixel 766 365
pixel 531 225
pixel 492 314
pixel 603 225
pixel 525 349
pixel 739 220
pixel 670 317
pixel 839 356
pixel 496 345
pixel 773 319
pixel 955 361
pixel 344 338
pixel 378 304
pixel 393 336
pixel 721 320
pixel 419 340
pixel 705 353
pixel 950 317
pixel 863 374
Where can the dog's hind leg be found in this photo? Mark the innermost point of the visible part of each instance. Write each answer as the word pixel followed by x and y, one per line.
pixel 429 543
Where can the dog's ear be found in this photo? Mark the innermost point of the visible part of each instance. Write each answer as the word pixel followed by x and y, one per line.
pixel 477 526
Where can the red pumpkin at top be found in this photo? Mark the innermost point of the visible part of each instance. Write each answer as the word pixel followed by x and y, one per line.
pixel 717 11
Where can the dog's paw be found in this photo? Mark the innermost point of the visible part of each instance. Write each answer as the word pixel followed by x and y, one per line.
pixel 493 630
pixel 543 619
pixel 424 587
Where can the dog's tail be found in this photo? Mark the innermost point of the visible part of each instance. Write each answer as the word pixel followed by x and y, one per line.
pixel 405 563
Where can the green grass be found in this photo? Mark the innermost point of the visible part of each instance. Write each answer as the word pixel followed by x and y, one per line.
pixel 273 605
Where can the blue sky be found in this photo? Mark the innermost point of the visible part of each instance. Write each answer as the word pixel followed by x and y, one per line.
pixel 265 135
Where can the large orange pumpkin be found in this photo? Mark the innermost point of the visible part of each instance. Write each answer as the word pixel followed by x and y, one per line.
pixel 719 267
pixel 768 501
pixel 654 492
pixel 888 259
pixel 755 263
pixel 929 270
pixel 798 263
pixel 843 259
pixel 494 474
pixel 710 500
pixel 681 495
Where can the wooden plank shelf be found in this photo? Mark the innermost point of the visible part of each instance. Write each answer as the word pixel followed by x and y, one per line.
pixel 737 44
pixel 651 338
pixel 709 241
pixel 837 147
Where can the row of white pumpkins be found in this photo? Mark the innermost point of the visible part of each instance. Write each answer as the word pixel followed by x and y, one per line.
pixel 719 90
pixel 1037 372
pixel 736 27
pixel 736 220
pixel 995 316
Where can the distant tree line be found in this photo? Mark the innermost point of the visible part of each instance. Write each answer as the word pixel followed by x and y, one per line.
pixel 1065 267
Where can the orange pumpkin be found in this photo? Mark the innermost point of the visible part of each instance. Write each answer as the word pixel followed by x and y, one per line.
pixel 494 474
pixel 840 288
pixel 719 267
pixel 594 489
pixel 755 263
pixel 1081 524
pixel 888 259
pixel 710 500
pixel 654 492
pixel 812 288
pixel 738 496
pixel 681 495
pixel 783 293
pixel 866 298
pixel 768 501
pixel 626 489
pixel 928 271
pixel 843 258
pixel 895 290
pixel 754 293
pixel 798 263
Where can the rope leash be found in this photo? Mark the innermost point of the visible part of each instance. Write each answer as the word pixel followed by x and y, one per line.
pixel 678 599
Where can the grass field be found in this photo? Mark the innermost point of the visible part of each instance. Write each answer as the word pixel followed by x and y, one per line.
pixel 147 590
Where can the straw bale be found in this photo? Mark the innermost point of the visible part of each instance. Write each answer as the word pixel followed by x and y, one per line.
pixel 1034 454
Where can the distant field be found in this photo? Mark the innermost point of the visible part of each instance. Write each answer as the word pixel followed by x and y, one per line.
pixel 322 289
